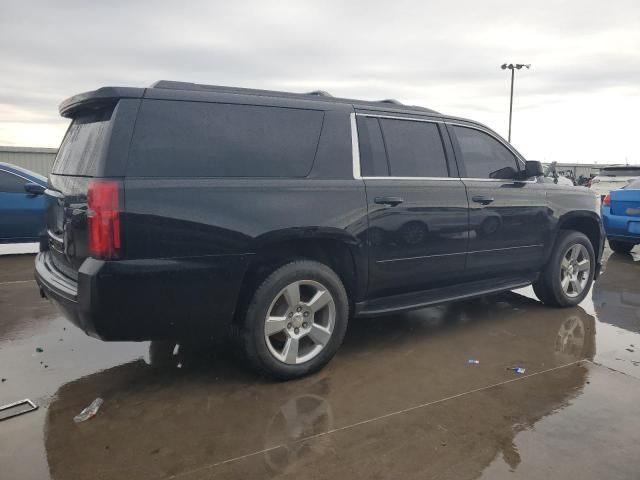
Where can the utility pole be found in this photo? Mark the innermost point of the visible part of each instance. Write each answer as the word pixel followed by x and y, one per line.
pixel 513 68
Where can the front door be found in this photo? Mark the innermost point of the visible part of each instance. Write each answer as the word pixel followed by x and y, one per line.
pixel 417 205
pixel 21 213
pixel 509 222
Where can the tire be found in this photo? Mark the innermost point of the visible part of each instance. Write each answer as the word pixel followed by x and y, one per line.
pixel 620 247
pixel 314 338
pixel 549 286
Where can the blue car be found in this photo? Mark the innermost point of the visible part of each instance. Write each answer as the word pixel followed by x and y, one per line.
pixel 22 204
pixel 621 217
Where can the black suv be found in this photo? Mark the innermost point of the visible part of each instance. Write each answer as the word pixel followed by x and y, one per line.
pixel 185 210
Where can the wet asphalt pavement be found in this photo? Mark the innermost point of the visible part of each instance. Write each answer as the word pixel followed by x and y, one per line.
pixel 399 401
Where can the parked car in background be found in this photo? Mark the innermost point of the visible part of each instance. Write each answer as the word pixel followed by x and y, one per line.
pixel 187 210
pixel 22 204
pixel 559 180
pixel 621 217
pixel 613 178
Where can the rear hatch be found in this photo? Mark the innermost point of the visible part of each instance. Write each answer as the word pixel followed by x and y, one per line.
pixel 626 202
pixel 79 161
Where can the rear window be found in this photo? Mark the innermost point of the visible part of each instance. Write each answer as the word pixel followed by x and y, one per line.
pixel 414 149
pixel 634 185
pixel 373 157
pixel 193 139
pixel 83 144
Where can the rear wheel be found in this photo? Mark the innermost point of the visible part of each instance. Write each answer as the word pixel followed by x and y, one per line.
pixel 620 247
pixel 568 275
pixel 296 320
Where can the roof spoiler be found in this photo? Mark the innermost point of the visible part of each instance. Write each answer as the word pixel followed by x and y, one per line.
pixel 97 99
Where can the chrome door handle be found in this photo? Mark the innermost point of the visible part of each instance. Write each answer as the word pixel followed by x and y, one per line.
pixel 482 199
pixel 392 201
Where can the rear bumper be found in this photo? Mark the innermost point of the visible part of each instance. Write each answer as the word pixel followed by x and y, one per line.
pixel 146 299
pixel 617 226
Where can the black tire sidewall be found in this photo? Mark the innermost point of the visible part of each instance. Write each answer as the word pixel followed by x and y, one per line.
pixel 256 348
pixel 552 273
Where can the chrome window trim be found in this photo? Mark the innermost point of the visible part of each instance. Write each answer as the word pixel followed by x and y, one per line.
pixel 16 175
pixel 355 147
pixel 503 180
pixel 412 178
pixel 355 150
pixel 451 178
pixel 392 117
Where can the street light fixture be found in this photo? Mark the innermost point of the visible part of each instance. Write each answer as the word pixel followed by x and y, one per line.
pixel 513 68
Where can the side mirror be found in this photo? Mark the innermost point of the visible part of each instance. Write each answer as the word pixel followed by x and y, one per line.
pixel 533 168
pixel 34 188
pixel 506 173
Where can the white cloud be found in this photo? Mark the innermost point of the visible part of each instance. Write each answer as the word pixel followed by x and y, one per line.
pixel 577 103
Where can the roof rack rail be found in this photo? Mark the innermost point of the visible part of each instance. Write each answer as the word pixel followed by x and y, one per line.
pixel 390 100
pixel 174 85
pixel 320 93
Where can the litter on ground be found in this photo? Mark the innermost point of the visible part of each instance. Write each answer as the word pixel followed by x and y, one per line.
pixel 17 408
pixel 89 412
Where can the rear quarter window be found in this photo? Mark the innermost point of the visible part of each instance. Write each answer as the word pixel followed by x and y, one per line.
pixel 414 149
pixel 196 139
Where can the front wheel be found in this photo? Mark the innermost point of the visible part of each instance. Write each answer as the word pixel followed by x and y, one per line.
pixel 567 277
pixel 296 320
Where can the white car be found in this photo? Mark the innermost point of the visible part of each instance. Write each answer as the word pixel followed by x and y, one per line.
pixel 560 180
pixel 613 178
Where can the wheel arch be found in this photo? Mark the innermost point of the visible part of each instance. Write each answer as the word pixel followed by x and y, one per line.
pixel 343 253
pixel 588 223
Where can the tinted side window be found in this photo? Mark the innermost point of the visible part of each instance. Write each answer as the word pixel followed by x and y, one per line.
pixel 414 149
pixel 484 156
pixel 373 158
pixel 188 139
pixel 10 183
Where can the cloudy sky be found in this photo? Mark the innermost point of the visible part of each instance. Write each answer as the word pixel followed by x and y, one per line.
pixel 578 103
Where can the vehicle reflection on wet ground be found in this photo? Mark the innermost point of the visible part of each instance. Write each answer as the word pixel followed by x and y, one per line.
pixel 400 400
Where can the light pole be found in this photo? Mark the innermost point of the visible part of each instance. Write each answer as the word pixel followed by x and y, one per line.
pixel 513 68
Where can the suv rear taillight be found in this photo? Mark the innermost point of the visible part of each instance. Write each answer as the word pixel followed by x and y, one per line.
pixel 606 201
pixel 103 199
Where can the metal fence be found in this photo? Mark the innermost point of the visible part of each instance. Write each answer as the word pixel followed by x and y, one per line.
pixel 38 160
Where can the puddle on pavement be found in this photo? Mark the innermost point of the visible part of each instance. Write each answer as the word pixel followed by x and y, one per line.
pixel 171 411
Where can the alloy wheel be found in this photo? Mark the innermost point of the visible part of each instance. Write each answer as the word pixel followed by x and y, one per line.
pixel 575 268
pixel 300 321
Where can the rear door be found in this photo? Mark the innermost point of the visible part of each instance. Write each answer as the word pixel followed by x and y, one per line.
pixel 509 222
pixel 417 205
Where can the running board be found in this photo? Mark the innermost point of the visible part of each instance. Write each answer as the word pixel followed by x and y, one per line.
pixel 415 300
